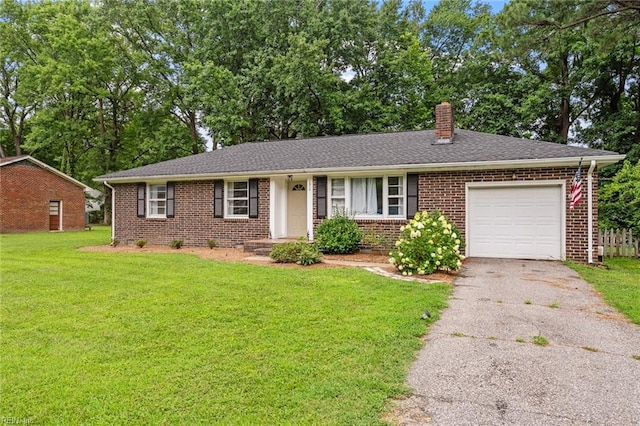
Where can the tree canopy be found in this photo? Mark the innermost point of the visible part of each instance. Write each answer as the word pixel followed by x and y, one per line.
pixel 92 87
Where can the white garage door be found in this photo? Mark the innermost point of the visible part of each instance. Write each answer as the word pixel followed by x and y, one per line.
pixel 521 222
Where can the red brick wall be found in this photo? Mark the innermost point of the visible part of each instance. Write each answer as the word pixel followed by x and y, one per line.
pixel 193 222
pixel 446 191
pixel 25 192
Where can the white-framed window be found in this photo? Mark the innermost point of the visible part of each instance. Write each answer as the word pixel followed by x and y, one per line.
pixel 237 195
pixel 368 196
pixel 157 196
pixel 337 195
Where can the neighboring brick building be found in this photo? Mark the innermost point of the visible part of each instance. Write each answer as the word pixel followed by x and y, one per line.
pixel 509 197
pixel 37 197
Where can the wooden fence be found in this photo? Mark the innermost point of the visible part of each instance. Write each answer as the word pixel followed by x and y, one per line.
pixel 618 242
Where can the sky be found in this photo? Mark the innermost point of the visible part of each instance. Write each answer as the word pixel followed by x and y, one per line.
pixel 496 5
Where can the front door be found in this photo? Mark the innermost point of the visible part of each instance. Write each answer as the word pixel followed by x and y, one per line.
pixel 54 215
pixel 297 209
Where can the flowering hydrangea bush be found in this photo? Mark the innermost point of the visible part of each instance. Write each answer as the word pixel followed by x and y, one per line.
pixel 427 243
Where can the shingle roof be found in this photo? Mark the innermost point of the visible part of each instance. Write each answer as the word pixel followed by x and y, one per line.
pixel 359 152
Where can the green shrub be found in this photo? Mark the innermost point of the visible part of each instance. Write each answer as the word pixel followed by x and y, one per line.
pixel 301 253
pixel 176 244
pixel 308 254
pixel 141 243
pixel 339 234
pixel 427 243
pixel 212 243
pixel 115 242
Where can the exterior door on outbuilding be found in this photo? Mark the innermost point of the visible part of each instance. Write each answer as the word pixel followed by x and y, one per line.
pixel 55 215
pixel 516 220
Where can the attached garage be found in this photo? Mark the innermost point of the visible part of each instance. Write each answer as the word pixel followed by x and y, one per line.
pixel 519 220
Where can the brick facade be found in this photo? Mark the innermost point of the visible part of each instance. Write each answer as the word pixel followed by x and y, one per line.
pixel 25 192
pixel 193 222
pixel 446 191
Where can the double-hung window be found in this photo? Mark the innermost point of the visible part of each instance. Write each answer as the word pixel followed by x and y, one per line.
pixel 157 200
pixel 370 196
pixel 238 199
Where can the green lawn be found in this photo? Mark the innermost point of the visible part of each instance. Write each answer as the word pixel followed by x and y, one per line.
pixel 113 338
pixel 619 285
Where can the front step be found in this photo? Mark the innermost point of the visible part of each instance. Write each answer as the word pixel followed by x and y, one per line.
pixel 263 251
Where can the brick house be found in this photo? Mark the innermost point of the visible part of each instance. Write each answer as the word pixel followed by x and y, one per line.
pixel 37 197
pixel 509 197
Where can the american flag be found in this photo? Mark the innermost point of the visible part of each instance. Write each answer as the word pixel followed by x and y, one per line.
pixel 576 187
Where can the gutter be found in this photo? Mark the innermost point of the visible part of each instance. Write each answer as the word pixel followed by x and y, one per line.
pixel 113 210
pixel 590 212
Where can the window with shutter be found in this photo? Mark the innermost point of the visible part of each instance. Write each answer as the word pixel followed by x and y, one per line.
pixel 253 198
pixel 142 190
pixel 412 195
pixel 321 196
pixel 171 199
pixel 218 198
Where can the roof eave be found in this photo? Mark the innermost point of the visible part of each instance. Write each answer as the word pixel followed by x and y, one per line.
pixel 601 160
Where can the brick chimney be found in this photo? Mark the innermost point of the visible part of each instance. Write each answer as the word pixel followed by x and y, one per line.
pixel 444 123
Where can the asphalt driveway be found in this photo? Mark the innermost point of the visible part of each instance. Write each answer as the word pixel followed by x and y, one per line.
pixel 480 366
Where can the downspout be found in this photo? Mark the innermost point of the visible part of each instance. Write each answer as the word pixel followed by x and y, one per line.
pixel 590 212
pixel 113 210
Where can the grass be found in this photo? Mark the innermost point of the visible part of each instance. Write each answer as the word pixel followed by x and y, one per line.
pixel 109 338
pixel 540 340
pixel 619 285
pixel 554 305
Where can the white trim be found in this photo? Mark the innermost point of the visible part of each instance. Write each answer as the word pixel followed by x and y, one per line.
pixel 60 212
pixel 113 210
pixel 385 195
pixel 530 183
pixel 310 208
pixel 590 212
pixel 228 215
pixel 272 208
pixel 148 201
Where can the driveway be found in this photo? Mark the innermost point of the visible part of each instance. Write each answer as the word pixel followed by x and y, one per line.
pixel 480 366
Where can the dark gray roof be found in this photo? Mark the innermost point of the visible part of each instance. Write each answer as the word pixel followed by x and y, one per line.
pixel 358 152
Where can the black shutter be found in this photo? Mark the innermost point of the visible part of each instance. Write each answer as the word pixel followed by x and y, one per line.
pixel 142 191
pixel 321 196
pixel 253 198
pixel 171 199
pixel 218 198
pixel 412 195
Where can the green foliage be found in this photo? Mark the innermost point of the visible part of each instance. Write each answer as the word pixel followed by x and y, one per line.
pixel 212 243
pixel 115 242
pixel 619 201
pixel 618 284
pixel 372 239
pixel 540 340
pixel 427 243
pixel 339 234
pixel 141 243
pixel 176 244
pixel 299 252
